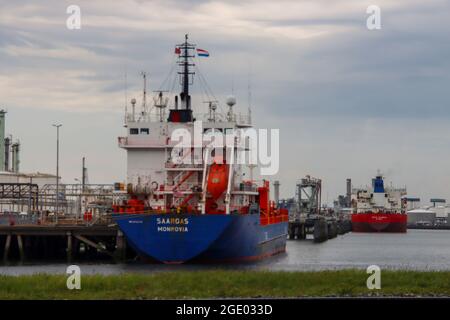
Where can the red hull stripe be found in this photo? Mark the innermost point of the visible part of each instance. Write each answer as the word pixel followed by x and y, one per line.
pixel 379 222
pixel 380 218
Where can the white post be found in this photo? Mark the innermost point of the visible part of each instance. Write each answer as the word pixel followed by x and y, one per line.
pixel 204 179
pixel 230 177
pixel 57 126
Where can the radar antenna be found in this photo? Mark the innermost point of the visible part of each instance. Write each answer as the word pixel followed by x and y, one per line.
pixel 160 102
pixel 231 101
pixel 212 107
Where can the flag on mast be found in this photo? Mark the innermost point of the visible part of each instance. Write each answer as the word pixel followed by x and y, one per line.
pixel 202 53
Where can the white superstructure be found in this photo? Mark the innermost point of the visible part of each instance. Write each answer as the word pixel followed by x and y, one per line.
pixel 378 198
pixel 151 142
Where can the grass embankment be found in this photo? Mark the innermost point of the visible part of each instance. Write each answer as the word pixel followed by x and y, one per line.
pixel 226 284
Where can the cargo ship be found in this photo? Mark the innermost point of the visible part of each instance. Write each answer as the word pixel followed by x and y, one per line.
pixel 195 203
pixel 379 208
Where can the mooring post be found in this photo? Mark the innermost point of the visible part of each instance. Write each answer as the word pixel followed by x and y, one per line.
pixel 69 246
pixel 302 232
pixel 6 251
pixel 120 246
pixel 20 245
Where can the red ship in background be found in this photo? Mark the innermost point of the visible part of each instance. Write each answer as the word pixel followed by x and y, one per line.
pixel 379 208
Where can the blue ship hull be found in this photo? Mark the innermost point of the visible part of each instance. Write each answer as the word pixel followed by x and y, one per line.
pixel 179 238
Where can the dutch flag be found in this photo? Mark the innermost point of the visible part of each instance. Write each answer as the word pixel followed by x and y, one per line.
pixel 202 53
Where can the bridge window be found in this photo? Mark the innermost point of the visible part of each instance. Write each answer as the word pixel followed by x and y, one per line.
pixel 145 131
pixel 134 131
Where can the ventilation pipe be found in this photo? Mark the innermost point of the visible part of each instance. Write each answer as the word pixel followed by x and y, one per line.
pixel 7 149
pixel 2 137
pixel 15 156
pixel 349 192
pixel 276 187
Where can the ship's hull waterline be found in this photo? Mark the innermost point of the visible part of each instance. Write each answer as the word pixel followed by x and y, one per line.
pixel 181 238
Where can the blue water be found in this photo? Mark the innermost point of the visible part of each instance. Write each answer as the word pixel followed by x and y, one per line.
pixel 415 250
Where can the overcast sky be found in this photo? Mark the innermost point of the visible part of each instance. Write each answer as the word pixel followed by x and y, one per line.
pixel 348 101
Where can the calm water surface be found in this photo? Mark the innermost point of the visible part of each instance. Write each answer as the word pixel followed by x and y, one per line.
pixel 416 250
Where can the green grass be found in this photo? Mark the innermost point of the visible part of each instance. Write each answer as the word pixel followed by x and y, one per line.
pixel 226 284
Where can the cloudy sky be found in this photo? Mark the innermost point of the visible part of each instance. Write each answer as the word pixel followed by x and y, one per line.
pixel 348 101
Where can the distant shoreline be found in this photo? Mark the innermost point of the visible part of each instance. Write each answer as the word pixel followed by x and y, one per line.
pixel 428 227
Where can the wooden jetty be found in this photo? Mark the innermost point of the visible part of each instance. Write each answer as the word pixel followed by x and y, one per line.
pixel 64 241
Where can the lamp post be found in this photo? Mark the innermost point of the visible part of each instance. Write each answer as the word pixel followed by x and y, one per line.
pixel 57 126
pixel 79 201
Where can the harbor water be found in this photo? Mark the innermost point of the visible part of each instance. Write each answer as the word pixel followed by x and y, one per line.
pixel 416 250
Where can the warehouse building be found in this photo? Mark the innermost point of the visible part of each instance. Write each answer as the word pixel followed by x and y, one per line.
pixel 421 217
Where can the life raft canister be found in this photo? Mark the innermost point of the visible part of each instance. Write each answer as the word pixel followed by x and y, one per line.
pixel 87 216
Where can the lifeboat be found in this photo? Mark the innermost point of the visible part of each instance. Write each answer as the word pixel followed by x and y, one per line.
pixel 216 185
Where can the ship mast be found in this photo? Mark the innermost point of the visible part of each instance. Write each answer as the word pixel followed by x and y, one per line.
pixel 185 51
pixel 185 72
pixel 144 98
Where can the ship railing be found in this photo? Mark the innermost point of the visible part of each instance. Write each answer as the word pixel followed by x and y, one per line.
pixel 243 119
pixel 256 183
pixel 76 189
pixel 400 190
pixel 186 186
pixel 246 187
pixel 239 118
pixel 218 117
pixel 274 216
pixel 148 187
pixel 147 117
pixel 141 142
pixel 171 165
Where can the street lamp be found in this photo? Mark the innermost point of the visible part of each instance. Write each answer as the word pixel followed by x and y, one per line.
pixel 79 201
pixel 57 126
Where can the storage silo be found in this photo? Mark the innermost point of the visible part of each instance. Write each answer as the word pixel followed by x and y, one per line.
pixel 421 217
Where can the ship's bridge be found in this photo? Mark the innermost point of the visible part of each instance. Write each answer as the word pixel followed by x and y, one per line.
pixel 148 132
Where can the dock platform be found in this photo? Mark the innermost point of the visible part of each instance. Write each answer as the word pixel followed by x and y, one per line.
pixel 56 242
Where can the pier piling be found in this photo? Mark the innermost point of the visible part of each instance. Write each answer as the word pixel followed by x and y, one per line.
pixel 20 246
pixel 69 246
pixel 6 251
pixel 320 232
pixel 120 251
